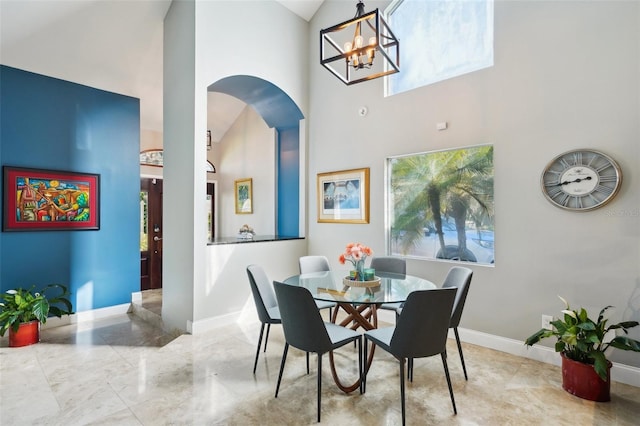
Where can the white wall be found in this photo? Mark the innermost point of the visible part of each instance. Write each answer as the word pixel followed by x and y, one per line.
pixel 227 289
pixel 566 76
pixel 184 172
pixel 247 151
pixel 205 42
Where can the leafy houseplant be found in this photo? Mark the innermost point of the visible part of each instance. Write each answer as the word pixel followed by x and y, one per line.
pixel 20 306
pixel 582 339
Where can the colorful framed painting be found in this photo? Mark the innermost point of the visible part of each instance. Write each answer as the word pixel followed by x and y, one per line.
pixel 48 200
pixel 244 195
pixel 343 196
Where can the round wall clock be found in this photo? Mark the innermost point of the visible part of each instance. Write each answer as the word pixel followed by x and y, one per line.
pixel 581 180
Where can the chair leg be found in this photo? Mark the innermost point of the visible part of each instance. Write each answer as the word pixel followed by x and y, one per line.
pixel 267 337
pixel 307 362
pixel 319 383
pixel 284 358
pixel 402 389
pixel 464 368
pixel 410 369
pixel 363 375
pixel 360 361
pixel 255 363
pixel 446 373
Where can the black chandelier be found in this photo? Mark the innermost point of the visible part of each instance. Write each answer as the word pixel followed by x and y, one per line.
pixel 349 50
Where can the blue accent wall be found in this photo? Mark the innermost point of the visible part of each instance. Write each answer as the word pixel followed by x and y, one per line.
pixel 54 124
pixel 288 176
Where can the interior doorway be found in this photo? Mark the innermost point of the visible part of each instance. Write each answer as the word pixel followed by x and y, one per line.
pixel 150 233
pixel 151 229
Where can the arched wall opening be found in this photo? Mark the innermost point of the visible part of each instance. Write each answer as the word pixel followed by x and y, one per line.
pixel 280 112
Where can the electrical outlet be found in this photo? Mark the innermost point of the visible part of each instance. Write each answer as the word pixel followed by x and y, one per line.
pixel 546 321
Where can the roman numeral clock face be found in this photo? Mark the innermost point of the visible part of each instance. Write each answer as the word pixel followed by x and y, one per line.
pixel 581 180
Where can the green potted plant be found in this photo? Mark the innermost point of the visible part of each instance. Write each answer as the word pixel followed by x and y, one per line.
pixel 581 343
pixel 22 311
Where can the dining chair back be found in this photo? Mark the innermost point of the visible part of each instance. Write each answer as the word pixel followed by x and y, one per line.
pixel 421 331
pixel 305 329
pixel 394 265
pixel 310 264
pixel 266 304
pixel 302 324
pixel 460 278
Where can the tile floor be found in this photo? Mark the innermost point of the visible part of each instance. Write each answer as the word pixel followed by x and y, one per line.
pixel 127 371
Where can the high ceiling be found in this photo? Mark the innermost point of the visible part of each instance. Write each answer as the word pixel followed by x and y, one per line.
pixel 107 44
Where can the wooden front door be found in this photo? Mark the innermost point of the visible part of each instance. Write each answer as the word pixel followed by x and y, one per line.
pixel 150 233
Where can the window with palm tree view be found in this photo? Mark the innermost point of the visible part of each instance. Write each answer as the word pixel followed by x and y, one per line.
pixel 440 205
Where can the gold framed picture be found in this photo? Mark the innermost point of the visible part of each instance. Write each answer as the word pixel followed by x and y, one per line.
pixel 343 196
pixel 244 196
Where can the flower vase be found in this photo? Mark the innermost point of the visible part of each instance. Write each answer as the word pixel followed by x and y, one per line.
pixel 360 269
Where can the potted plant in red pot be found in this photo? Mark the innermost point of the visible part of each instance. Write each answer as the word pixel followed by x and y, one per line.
pixel 580 341
pixel 22 311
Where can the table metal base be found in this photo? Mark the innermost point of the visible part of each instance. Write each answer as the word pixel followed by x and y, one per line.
pixel 365 316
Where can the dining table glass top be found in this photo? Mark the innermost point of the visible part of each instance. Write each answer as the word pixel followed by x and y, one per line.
pixel 330 286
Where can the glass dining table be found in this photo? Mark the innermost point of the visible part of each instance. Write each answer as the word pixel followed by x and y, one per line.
pixel 359 301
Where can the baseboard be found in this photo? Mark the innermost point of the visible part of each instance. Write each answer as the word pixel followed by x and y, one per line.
pixel 619 372
pixel 85 316
pixel 201 326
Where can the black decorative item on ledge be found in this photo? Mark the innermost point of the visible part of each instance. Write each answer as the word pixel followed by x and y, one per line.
pixel 208 140
pixel 344 53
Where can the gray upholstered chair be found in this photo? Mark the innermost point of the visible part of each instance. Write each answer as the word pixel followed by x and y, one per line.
pixel 460 278
pixel 309 264
pixel 394 265
pixel 305 329
pixel 266 304
pixel 421 331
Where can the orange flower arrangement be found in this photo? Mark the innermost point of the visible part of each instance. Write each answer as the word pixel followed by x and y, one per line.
pixel 355 253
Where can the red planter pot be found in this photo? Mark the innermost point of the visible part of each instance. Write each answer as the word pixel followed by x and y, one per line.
pixel 582 380
pixel 28 333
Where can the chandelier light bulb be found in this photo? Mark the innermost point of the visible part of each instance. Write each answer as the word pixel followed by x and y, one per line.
pixel 348 46
pixel 358 40
pixel 372 41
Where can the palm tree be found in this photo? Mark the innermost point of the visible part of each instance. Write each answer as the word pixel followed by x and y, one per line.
pixel 426 187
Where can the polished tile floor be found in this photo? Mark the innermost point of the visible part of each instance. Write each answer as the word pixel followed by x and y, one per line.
pixel 126 371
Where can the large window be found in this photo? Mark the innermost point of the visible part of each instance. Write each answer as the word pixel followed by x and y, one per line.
pixel 440 205
pixel 439 40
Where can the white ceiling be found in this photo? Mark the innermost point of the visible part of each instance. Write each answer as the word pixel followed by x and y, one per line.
pixel 303 8
pixel 107 44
